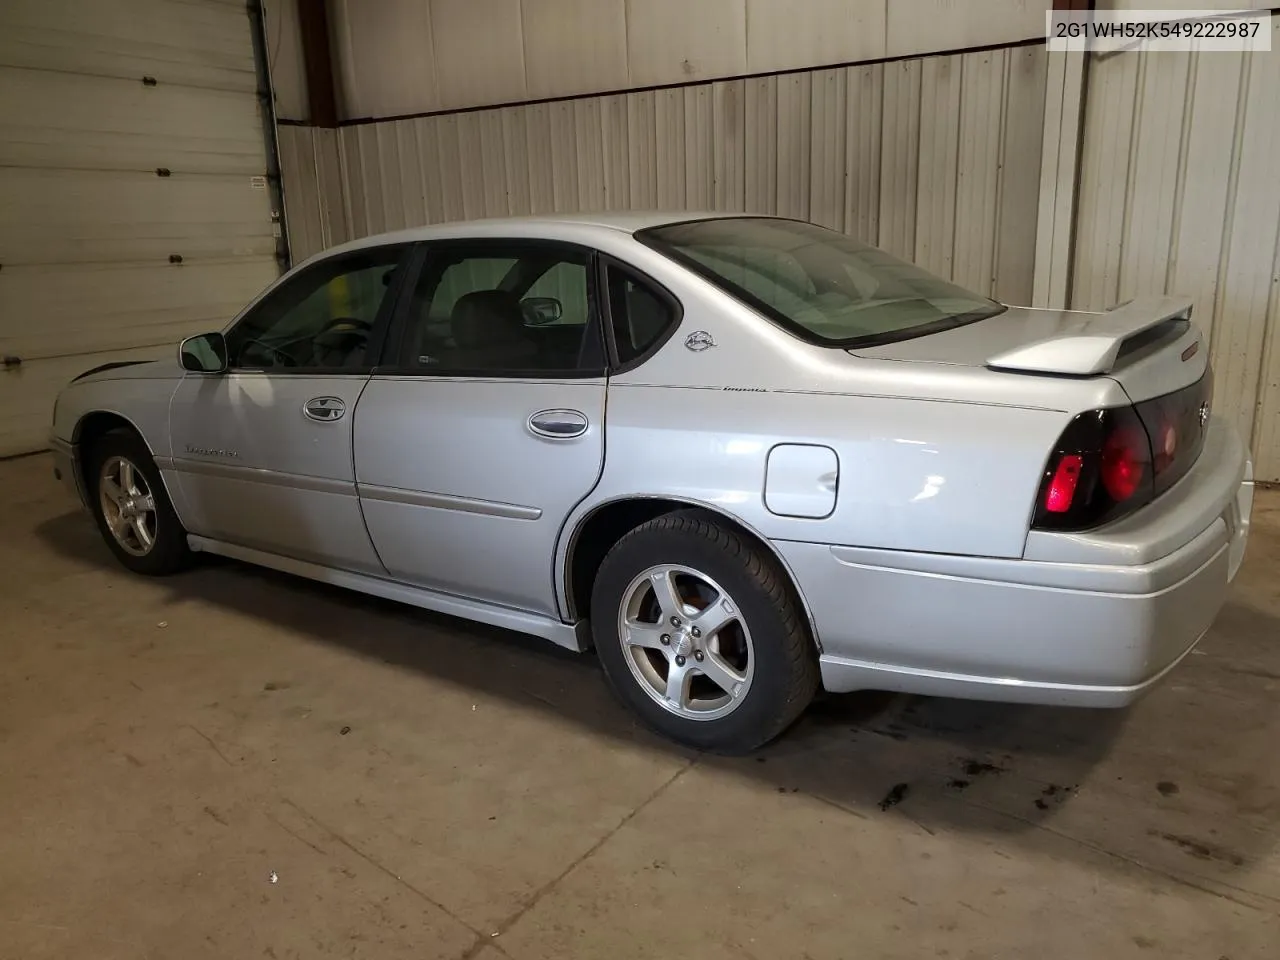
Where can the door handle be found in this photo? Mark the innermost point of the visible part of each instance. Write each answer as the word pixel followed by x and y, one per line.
pixel 324 409
pixel 558 424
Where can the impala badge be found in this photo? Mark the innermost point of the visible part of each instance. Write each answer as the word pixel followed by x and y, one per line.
pixel 211 452
pixel 1204 413
pixel 699 340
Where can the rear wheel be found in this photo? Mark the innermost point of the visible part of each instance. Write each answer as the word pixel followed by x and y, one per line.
pixel 698 633
pixel 133 511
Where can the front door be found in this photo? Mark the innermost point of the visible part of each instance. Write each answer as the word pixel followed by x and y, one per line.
pixel 487 426
pixel 263 452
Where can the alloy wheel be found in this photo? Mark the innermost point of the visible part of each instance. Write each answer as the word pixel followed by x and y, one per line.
pixel 686 642
pixel 128 506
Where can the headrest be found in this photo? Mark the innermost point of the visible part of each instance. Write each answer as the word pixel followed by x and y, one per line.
pixel 487 318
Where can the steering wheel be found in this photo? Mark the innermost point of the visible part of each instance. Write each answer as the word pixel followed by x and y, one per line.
pixel 363 326
pixel 345 334
pixel 289 359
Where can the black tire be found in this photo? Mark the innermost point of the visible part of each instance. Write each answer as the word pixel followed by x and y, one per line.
pixel 786 669
pixel 168 553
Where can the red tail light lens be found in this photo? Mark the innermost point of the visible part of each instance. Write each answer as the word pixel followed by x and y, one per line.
pixel 1125 453
pixel 1062 488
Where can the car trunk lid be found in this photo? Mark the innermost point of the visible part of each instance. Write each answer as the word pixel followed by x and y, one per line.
pixel 1149 345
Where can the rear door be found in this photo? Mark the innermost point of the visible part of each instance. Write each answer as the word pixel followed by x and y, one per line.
pixel 263 452
pixel 486 427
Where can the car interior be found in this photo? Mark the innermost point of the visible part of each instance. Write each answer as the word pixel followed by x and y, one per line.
pixel 477 315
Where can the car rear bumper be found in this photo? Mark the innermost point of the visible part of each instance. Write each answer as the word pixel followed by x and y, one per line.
pixel 1078 632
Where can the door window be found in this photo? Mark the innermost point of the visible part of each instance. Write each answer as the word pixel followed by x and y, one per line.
pixel 641 316
pixel 320 320
pixel 503 309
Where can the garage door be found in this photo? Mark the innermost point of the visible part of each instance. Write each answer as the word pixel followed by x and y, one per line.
pixel 133 204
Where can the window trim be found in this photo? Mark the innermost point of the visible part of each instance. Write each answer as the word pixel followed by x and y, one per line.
pixel 405 265
pixel 604 262
pixel 393 345
pixel 649 237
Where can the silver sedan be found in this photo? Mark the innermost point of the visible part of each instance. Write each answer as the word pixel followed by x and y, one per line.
pixel 741 457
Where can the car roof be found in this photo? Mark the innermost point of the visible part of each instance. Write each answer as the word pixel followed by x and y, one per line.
pixel 549 226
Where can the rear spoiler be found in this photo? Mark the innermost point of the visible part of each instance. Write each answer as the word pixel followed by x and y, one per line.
pixel 1089 343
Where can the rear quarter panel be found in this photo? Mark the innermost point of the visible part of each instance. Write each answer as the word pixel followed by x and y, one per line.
pixel 917 475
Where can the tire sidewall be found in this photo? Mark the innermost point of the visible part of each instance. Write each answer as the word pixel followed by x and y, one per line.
pixel 771 686
pixel 170 553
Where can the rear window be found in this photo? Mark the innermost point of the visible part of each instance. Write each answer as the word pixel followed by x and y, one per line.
pixel 823 286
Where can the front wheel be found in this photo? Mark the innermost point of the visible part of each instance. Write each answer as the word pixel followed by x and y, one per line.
pixel 131 506
pixel 698 633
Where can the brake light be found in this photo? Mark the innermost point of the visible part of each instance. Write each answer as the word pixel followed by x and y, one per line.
pixel 1124 453
pixel 1100 470
pixel 1062 489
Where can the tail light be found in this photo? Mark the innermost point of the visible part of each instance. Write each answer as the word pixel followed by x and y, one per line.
pixel 1125 462
pixel 1110 462
pixel 1062 487
pixel 1100 470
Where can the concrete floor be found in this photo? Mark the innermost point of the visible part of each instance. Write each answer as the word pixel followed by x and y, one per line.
pixel 234 764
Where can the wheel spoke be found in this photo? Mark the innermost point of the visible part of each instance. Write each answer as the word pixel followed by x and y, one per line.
pixel 716 669
pixel 647 635
pixel 143 533
pixel 715 617
pixel 117 524
pixel 145 504
pixel 112 489
pixel 678 685
pixel 664 588
pixel 127 478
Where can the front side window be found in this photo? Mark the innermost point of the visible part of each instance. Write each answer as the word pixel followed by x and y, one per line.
pixel 824 286
pixel 502 309
pixel 320 319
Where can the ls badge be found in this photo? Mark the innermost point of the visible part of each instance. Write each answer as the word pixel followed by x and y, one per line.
pixel 698 341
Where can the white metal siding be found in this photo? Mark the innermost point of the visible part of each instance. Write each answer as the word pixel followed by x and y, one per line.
pixel 937 159
pixel 1179 194
pixel 401 57
pixel 87 227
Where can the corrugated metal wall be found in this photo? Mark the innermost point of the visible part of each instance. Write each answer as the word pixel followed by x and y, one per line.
pixel 400 57
pixel 935 158
pixel 1180 194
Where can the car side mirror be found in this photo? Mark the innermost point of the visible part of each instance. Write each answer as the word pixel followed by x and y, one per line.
pixel 206 353
pixel 541 310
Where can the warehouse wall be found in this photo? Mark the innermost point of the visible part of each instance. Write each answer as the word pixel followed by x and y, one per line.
pixel 284 59
pixel 401 57
pixel 1179 194
pixel 935 158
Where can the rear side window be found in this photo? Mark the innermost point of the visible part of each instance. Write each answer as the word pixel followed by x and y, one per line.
pixel 641 316
pixel 503 308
